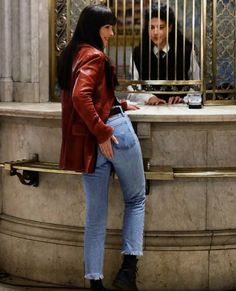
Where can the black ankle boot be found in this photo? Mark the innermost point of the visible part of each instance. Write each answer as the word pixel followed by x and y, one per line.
pixel 96 285
pixel 126 277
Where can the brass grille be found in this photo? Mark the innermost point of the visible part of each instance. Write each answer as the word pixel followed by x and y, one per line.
pixel 210 25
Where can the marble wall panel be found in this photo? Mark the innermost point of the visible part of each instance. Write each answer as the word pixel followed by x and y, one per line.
pixel 176 205
pixel 48 202
pixel 4 288
pixel 23 137
pixel 1 41
pixel 59 198
pixel 64 264
pixel 222 270
pixel 221 204
pixel 6 89
pixel 179 146
pixel 187 270
pixel 170 270
pixel 1 171
pixel 1 183
pixel 183 270
pixel 42 261
pixel 222 146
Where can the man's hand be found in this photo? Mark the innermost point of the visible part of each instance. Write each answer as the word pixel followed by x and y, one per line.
pixel 175 100
pixel 154 100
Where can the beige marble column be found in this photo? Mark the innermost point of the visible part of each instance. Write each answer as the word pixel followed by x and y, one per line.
pixel 30 61
pixel 24 50
pixel 6 85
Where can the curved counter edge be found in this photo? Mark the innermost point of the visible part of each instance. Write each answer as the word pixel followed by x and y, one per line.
pixel 153 240
pixel 163 113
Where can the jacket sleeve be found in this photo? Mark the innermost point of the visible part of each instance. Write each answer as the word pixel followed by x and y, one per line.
pixel 83 91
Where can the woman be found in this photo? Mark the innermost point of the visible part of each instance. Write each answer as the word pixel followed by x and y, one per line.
pixel 159 34
pixel 96 137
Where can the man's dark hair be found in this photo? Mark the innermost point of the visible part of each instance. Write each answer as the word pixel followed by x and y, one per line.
pixel 143 53
pixel 164 14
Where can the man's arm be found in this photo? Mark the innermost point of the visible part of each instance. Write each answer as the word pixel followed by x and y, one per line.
pixel 194 70
pixel 140 98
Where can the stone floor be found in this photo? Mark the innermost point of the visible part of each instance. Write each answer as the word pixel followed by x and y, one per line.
pixel 11 283
pixel 11 288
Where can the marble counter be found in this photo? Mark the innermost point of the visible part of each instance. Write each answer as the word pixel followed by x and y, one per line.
pixel 33 110
pixel 163 113
pixel 190 223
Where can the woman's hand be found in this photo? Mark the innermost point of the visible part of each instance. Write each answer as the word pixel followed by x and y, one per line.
pixel 106 147
pixel 154 100
pixel 132 107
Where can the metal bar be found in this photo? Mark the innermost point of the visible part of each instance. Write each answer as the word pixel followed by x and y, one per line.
pixel 160 82
pixel 171 93
pixel 220 102
pixel 109 45
pixel 184 36
pixel 176 35
pixel 68 17
pixel 193 33
pixel 214 14
pixel 167 36
pixel 124 37
pixel 234 44
pixel 133 35
pixel 231 91
pixel 153 173
pixel 52 42
pixel 149 48
pixel 159 173
pixel 141 40
pixel 217 172
pixel 203 48
pixel 116 40
pixel 158 59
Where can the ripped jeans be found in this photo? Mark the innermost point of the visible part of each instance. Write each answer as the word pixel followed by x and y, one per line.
pixel 128 165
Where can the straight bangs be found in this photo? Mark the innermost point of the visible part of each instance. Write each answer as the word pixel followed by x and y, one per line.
pixel 108 18
pixel 92 18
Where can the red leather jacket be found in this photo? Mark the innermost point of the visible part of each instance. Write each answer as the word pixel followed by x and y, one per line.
pixel 85 108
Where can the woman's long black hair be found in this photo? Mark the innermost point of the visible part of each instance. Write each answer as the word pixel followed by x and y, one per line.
pixel 91 19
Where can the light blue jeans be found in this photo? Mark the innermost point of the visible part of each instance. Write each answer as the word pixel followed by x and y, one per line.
pixel 128 165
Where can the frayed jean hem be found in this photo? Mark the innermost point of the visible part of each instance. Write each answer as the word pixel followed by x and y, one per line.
pixel 95 276
pixel 132 253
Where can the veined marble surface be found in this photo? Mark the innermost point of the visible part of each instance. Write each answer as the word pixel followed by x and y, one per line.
pixel 35 110
pixel 162 113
